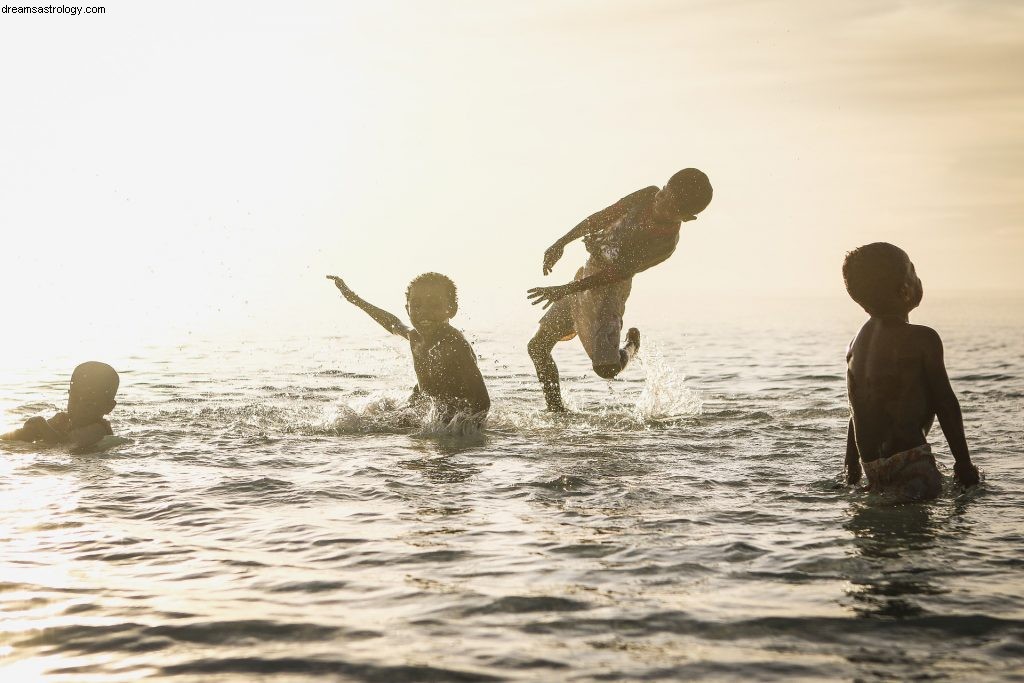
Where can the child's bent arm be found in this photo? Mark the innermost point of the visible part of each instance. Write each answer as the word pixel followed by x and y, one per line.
pixel 471 390
pixel 549 295
pixel 388 321
pixel 588 225
pixel 595 222
pixel 853 470
pixel 85 437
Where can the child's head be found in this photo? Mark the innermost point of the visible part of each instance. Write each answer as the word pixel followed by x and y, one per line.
pixel 686 194
pixel 93 386
pixel 431 299
pixel 880 277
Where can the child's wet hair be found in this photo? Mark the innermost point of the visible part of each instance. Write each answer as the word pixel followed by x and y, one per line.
pixel 442 282
pixel 874 274
pixel 691 189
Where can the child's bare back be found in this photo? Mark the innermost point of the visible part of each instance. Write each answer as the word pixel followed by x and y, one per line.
pixel 897 382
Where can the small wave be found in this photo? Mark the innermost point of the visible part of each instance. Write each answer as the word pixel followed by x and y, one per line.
pixel 842 411
pixel 985 377
pixel 266 666
pixel 814 629
pixel 342 373
pixel 566 482
pixel 518 604
pixel 259 485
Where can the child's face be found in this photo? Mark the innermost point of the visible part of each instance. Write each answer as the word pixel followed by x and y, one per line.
pixel 428 307
pixel 670 208
pixel 87 404
pixel 912 291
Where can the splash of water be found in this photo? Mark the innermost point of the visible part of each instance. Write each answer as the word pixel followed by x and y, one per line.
pixel 665 394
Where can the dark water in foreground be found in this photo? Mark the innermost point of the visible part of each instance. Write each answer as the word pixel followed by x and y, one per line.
pixel 271 512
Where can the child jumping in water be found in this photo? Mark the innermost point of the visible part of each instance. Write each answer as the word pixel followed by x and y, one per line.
pixel 897 383
pixel 638 231
pixel 445 365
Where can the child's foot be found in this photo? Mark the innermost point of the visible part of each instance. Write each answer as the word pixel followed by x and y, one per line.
pixel 633 339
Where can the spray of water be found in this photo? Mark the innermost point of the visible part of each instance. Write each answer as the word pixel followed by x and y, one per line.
pixel 665 394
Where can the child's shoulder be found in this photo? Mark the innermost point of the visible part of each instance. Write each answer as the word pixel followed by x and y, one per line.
pixel 926 340
pixel 641 196
pixel 924 334
pixel 454 336
pixel 454 342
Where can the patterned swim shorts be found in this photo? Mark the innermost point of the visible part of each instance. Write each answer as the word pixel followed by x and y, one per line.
pixel 910 474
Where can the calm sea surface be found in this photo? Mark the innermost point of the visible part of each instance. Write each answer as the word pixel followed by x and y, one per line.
pixel 269 510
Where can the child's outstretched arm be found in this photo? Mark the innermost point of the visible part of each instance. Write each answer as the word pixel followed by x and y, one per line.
pixel 35 429
pixel 592 223
pixel 549 295
pixel 389 322
pixel 84 438
pixel 947 407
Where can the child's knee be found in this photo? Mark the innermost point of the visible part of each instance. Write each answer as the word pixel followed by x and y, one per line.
pixel 537 347
pixel 606 370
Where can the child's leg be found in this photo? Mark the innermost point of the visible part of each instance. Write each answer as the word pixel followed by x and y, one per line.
pixel 597 316
pixel 555 326
pixel 609 370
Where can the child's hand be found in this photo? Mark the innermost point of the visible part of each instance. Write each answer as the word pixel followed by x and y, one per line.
pixel 60 422
pixel 966 474
pixel 342 287
pixel 551 257
pixel 547 295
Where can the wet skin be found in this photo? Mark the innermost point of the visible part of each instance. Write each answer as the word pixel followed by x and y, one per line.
pixel 648 244
pixel 897 384
pixel 445 364
pixel 82 426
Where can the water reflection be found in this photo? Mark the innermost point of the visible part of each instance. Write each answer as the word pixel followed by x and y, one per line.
pixel 894 544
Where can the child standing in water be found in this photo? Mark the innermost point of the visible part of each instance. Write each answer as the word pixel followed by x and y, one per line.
pixel 897 383
pixel 445 365
pixel 90 397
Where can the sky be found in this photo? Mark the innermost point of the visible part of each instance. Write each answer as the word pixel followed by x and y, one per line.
pixel 198 167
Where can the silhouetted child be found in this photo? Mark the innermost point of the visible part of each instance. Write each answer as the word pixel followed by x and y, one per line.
pixel 897 382
pixel 446 369
pixel 635 233
pixel 90 397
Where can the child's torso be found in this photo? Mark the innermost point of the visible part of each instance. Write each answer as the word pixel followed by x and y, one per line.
pixel 436 362
pixel 637 240
pixel 888 391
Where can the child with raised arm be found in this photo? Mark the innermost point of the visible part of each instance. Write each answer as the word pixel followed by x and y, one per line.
pixel 90 397
pixel 445 365
pixel 897 383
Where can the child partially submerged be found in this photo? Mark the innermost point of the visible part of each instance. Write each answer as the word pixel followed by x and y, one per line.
pixel 445 365
pixel 90 397
pixel 897 383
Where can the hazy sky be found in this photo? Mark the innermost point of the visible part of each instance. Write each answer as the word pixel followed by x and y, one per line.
pixel 200 166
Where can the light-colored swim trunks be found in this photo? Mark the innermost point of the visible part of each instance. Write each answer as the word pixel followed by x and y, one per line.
pixel 910 474
pixel 597 315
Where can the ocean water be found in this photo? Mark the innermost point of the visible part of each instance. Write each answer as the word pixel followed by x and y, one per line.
pixel 269 510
